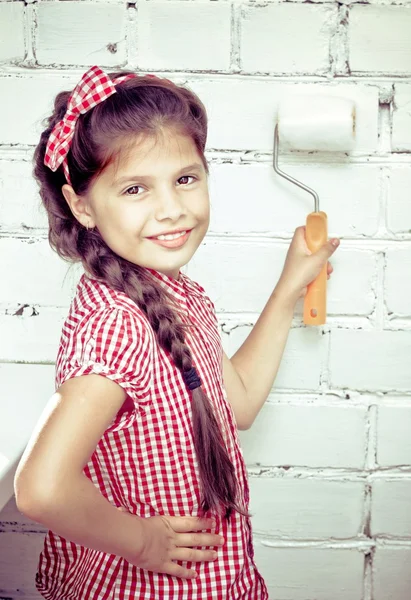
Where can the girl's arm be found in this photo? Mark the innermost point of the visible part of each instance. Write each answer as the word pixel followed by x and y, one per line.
pixel 250 374
pixel 50 485
pixel 51 488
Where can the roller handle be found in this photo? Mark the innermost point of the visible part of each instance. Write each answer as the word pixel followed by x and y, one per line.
pixel 315 301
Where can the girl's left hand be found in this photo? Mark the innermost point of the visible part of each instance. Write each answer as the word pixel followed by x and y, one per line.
pixel 301 267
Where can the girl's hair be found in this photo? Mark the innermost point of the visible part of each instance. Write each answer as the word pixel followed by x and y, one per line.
pixel 141 106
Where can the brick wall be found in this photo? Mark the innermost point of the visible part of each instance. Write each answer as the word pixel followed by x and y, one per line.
pixel 329 456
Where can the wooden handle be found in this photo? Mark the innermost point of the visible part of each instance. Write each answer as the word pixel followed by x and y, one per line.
pixel 315 301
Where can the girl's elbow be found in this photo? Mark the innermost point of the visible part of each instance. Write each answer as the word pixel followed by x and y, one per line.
pixel 27 503
pixel 244 423
pixel 32 499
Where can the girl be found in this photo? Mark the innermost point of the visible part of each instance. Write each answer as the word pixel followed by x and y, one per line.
pixel 135 465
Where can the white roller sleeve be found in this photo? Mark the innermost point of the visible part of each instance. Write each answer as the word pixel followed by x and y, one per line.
pixel 317 122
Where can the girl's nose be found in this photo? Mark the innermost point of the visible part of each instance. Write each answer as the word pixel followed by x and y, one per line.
pixel 169 205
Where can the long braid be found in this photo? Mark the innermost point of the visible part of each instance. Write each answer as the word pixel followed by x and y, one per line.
pixel 217 472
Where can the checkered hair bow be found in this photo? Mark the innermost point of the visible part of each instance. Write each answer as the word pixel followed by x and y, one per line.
pixel 94 87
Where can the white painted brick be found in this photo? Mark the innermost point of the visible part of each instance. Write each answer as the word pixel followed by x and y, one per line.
pixel 391 508
pixel 269 33
pixel 20 206
pixel 19 381
pixel 16 529
pixel 401 119
pixel 26 107
pixel 379 39
pixel 199 39
pixel 17 550
pixel 311 573
pixel 239 274
pixel 398 281
pixel 306 347
pixel 243 112
pixel 306 508
pixel 229 268
pixel 393 435
pixel 251 103
pixel 24 389
pixel 399 206
pixel 17 577
pixel 49 280
pixel 11 31
pixel 392 574
pixel 306 436
pixel 254 199
pixel 33 336
pixel 81 33
pixel 370 360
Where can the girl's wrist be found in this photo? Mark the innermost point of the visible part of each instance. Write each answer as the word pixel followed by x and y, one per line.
pixel 133 540
pixel 285 295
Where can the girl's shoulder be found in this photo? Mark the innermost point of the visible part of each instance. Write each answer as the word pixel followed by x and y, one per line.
pixel 107 334
pixel 94 294
pixel 94 297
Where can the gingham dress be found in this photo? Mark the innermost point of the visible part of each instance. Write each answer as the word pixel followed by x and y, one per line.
pixel 145 460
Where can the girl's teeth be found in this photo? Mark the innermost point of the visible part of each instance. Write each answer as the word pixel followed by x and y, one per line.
pixel 171 237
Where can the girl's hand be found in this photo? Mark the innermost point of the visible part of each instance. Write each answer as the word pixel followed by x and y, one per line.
pixel 301 267
pixel 166 539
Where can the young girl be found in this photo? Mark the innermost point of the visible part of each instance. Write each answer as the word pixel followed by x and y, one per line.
pixel 135 465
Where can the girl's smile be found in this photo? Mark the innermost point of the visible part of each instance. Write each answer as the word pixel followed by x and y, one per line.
pixel 178 241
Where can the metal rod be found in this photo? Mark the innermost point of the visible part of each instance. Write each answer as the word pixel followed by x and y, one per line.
pixel 277 170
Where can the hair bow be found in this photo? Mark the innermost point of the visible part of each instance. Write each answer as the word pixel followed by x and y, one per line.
pixel 94 87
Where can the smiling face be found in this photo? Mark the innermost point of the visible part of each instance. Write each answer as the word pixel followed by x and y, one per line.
pixel 159 185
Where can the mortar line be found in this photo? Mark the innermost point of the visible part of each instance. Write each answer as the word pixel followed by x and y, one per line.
pixel 235 32
pixel 132 36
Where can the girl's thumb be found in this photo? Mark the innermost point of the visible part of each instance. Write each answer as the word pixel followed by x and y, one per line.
pixel 328 249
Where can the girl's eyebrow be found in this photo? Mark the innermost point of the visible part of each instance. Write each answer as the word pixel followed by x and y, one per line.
pixel 121 180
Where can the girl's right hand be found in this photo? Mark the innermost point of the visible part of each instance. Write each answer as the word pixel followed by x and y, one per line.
pixel 167 539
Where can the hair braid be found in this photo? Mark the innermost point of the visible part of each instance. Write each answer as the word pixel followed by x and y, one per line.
pixel 216 470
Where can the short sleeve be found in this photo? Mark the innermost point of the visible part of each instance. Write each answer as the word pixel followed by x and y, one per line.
pixel 114 343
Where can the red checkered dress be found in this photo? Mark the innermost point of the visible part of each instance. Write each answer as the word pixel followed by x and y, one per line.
pixel 146 460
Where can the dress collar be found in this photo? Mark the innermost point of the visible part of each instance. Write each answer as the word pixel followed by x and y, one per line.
pixel 175 287
pixel 181 289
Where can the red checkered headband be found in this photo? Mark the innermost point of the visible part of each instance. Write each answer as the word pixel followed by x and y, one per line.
pixel 94 87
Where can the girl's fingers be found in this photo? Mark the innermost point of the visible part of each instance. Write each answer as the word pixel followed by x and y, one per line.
pixel 179 571
pixel 185 540
pixel 185 524
pixel 188 554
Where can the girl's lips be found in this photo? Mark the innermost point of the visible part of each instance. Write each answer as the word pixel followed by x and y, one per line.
pixel 177 243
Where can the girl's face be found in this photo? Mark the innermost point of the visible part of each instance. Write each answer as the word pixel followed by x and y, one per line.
pixel 160 186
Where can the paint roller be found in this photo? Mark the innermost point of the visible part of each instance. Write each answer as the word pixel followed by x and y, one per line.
pixel 314 123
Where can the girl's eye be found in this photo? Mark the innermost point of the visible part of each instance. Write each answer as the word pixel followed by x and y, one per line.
pixel 187 177
pixel 132 191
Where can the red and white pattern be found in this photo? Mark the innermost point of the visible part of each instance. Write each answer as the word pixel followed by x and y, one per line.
pixel 146 461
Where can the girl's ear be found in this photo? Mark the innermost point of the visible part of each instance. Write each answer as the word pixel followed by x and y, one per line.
pixel 78 206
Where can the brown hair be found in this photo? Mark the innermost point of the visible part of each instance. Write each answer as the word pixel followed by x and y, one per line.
pixel 140 106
